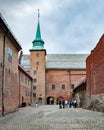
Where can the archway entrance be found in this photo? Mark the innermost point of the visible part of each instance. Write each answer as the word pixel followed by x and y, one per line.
pixel 50 100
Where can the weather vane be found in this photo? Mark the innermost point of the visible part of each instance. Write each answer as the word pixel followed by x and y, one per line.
pixel 38 14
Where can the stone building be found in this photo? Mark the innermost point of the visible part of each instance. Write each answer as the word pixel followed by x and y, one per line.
pixel 54 75
pixel 95 72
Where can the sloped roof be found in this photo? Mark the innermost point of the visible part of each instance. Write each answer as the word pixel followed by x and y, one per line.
pixel 59 61
pixel 66 61
pixel 25 62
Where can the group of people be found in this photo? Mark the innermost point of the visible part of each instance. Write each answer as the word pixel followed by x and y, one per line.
pixel 67 104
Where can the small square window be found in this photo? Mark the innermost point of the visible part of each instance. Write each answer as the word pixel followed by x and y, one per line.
pixel 34 87
pixel 53 86
pixel 34 95
pixel 37 62
pixel 37 54
pixel 35 80
pixel 35 71
pixel 63 86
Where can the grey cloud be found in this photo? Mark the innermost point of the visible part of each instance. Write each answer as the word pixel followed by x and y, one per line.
pixel 67 26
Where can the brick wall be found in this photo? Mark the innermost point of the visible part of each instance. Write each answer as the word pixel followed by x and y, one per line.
pixel 1 61
pixel 59 77
pixel 25 87
pixel 38 56
pixel 11 99
pixel 95 69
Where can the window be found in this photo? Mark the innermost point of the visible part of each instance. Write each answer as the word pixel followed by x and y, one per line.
pixel 10 54
pixel 37 54
pixel 34 87
pixel 30 94
pixel 21 75
pixel 25 80
pixel 72 86
pixel 35 80
pixel 35 71
pixel 34 95
pixel 53 86
pixel 63 86
pixel 37 62
pixel 28 82
pixel 26 93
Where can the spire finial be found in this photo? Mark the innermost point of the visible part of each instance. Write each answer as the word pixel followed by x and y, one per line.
pixel 38 15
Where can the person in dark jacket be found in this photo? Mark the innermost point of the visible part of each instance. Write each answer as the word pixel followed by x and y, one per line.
pixel 60 104
pixel 63 103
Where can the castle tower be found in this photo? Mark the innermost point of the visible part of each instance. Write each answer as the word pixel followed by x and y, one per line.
pixel 37 66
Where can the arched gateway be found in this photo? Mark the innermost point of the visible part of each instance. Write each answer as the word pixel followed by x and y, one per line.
pixel 50 100
pixel 60 98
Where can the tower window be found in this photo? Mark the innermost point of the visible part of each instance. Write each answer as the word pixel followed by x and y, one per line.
pixel 63 86
pixel 34 95
pixel 37 54
pixel 35 71
pixel 35 80
pixel 34 87
pixel 53 86
pixel 37 63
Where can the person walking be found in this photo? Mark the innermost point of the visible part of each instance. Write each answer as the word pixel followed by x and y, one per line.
pixel 63 102
pixel 66 103
pixel 60 104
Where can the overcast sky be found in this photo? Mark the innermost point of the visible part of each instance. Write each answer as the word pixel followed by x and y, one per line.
pixel 67 26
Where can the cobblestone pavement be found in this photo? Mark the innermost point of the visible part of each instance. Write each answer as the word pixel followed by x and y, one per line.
pixel 50 117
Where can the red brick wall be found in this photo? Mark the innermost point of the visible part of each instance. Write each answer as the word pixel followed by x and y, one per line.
pixel 11 78
pixel 76 76
pixel 25 84
pixel 95 69
pixel 59 77
pixel 1 61
pixel 40 75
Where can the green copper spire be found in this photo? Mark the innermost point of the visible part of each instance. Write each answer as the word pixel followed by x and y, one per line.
pixel 38 43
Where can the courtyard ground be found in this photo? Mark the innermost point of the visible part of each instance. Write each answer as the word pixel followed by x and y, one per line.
pixel 50 117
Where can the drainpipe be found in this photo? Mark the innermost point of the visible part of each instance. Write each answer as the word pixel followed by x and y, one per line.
pixel 19 87
pixel 31 91
pixel 3 74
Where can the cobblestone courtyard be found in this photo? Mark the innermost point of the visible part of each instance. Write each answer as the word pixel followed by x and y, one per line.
pixel 52 118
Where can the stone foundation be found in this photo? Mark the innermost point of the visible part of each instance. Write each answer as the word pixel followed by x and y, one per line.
pixel 96 103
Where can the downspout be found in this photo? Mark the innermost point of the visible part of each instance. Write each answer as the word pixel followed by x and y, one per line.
pixel 19 61
pixel 3 75
pixel 19 86
pixel 31 91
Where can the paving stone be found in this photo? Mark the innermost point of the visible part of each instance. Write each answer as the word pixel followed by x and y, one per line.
pixel 50 117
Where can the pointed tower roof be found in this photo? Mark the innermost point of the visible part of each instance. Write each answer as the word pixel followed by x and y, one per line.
pixel 38 33
pixel 38 42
